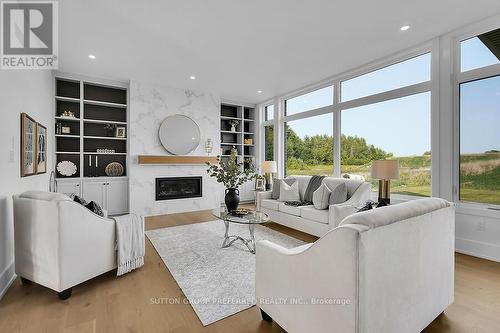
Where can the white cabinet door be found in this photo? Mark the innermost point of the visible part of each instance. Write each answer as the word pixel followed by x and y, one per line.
pixel 94 191
pixel 117 197
pixel 69 187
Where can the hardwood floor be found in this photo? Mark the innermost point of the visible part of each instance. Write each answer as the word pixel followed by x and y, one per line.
pixel 110 304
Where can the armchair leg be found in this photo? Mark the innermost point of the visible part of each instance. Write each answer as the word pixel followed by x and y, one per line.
pixel 65 294
pixel 25 281
pixel 265 316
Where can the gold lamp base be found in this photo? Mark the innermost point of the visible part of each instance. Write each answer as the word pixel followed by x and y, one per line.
pixel 384 192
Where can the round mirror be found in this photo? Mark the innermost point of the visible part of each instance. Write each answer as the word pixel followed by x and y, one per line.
pixel 179 134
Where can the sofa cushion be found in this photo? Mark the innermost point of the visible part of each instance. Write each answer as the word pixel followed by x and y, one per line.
pixel 351 184
pixel 321 197
pixel 303 183
pixel 374 218
pixel 277 184
pixel 289 192
pixel 339 194
pixel 270 204
pixel 46 196
pixel 292 210
pixel 311 213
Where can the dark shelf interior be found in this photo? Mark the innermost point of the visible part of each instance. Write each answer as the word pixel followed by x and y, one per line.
pixel 91 145
pixel 248 150
pixel 249 113
pixel 226 126
pixel 104 94
pixel 73 125
pixel 226 149
pixel 102 162
pixel 66 88
pixel 68 144
pixel 62 106
pixel 230 138
pixel 96 129
pixel 98 112
pixel 229 111
pixel 75 158
pixel 248 127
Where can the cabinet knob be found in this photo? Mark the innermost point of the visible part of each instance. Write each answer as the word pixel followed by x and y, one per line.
pixel 77 185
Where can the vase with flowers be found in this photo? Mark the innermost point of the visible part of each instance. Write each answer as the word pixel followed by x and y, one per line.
pixel 231 174
pixel 233 123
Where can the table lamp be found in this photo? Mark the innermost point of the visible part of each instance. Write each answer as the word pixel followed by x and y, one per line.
pixel 384 171
pixel 269 167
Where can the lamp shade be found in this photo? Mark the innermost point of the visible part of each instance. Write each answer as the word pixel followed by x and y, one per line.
pixel 269 166
pixel 385 169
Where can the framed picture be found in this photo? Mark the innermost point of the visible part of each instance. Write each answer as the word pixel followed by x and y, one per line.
pixel 259 184
pixel 28 145
pixel 120 132
pixel 41 149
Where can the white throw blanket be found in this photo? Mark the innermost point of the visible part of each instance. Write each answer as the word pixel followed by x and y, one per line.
pixel 130 243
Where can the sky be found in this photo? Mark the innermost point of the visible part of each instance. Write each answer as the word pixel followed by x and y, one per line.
pixel 402 126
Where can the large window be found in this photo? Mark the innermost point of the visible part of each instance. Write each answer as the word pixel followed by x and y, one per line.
pixel 269 112
pixel 269 143
pixel 480 141
pixel 394 129
pixel 310 101
pixel 480 51
pixel 309 146
pixel 402 74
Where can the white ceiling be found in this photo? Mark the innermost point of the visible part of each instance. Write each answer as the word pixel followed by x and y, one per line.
pixel 236 47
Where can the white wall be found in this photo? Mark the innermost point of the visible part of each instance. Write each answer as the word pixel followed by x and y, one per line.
pixel 149 105
pixel 27 91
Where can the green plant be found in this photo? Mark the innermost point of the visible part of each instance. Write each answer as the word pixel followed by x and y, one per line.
pixel 231 173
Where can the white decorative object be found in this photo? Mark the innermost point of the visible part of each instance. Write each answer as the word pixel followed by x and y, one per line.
pixel 179 134
pixel 366 269
pixel 289 192
pixel 66 168
pixel 209 145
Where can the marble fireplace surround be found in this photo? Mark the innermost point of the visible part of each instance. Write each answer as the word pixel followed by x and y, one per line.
pixel 149 105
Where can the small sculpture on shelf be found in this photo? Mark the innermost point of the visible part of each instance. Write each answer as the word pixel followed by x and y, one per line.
pixel 68 114
pixel 110 129
pixel 248 141
pixel 233 123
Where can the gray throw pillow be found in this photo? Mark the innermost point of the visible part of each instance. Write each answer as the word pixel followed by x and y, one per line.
pixel 289 192
pixel 276 186
pixel 321 197
pixel 339 194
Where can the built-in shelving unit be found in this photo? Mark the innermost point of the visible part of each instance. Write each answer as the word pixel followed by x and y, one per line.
pixel 243 136
pixel 97 111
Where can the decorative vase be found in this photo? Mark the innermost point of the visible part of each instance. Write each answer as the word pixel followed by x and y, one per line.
pixel 232 199
pixel 233 128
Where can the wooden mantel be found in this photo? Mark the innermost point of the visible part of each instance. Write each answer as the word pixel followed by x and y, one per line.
pixel 173 159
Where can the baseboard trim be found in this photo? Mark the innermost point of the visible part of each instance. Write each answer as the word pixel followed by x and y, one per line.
pixel 478 249
pixel 6 278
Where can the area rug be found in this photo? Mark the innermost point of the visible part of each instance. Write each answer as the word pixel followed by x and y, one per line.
pixel 217 282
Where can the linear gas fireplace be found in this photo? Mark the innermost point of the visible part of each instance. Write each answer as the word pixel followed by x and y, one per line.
pixel 178 188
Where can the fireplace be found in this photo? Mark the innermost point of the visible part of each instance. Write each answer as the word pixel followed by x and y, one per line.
pixel 178 188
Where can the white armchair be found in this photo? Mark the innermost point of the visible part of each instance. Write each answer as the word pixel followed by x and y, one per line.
pixel 59 243
pixel 388 270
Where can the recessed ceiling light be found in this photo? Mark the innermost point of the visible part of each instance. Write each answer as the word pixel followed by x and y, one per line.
pixel 192 77
pixel 259 91
pixel 404 27
pixel 91 56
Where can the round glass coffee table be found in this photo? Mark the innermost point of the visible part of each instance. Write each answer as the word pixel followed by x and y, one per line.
pixel 250 219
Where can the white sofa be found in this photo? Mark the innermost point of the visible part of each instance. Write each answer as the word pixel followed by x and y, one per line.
pixel 59 243
pixel 391 267
pixel 307 218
